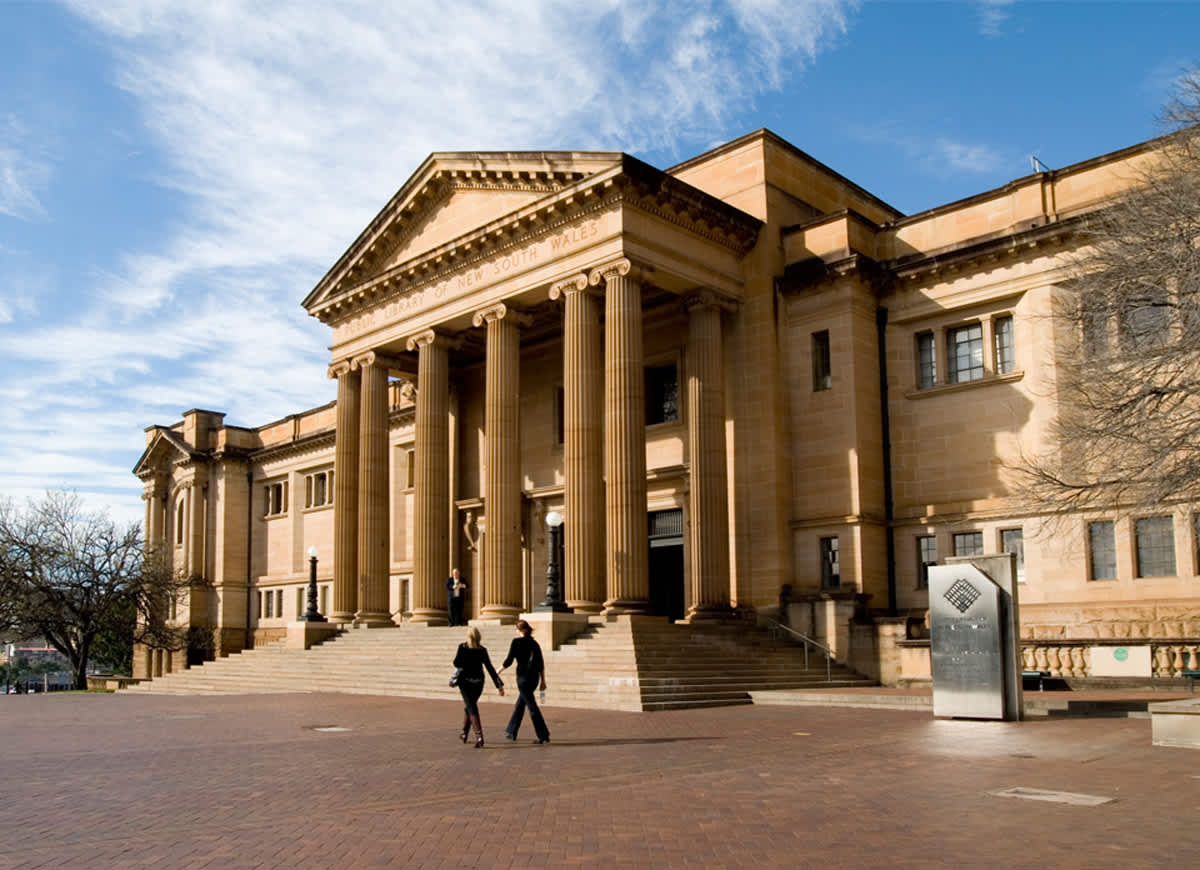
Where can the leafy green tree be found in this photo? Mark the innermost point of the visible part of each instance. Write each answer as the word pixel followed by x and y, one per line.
pixel 81 582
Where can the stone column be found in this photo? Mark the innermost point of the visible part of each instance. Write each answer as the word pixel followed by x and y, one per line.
pixel 708 534
pixel 431 560
pixel 374 552
pixel 502 474
pixel 345 493
pixel 583 446
pixel 627 544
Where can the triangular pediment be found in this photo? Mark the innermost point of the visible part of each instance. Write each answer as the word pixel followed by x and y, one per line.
pixel 453 195
pixel 165 448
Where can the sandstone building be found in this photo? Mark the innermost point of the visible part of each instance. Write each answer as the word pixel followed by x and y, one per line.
pixel 740 373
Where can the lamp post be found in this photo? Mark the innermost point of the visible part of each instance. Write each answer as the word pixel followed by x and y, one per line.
pixel 553 602
pixel 312 614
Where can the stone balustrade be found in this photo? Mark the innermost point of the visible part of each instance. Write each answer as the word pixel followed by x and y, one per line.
pixel 1072 658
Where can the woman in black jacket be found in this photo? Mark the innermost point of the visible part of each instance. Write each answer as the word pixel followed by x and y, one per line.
pixel 472 657
pixel 531 671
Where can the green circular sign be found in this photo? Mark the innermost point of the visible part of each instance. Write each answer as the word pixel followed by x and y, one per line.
pixel 1120 654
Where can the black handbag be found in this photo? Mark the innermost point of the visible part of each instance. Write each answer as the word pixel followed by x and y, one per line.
pixel 454 676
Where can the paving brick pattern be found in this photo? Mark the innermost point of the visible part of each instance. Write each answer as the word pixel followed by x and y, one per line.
pixel 121 781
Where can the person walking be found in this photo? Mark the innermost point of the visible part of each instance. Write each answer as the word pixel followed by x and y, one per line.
pixel 531 675
pixel 456 593
pixel 472 657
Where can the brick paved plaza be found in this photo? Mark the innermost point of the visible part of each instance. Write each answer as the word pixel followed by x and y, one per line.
pixel 114 781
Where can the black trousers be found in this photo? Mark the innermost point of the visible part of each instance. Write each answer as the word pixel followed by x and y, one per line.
pixel 525 688
pixel 454 607
pixel 470 694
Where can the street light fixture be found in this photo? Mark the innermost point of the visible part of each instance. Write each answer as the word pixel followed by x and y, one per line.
pixel 554 602
pixel 312 614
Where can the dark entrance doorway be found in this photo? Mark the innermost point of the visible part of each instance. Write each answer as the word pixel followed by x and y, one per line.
pixel 666 563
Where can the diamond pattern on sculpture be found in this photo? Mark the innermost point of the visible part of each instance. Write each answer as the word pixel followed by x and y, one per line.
pixel 962 595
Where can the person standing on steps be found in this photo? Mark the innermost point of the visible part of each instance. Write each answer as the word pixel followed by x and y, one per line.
pixel 456 594
pixel 531 676
pixel 472 657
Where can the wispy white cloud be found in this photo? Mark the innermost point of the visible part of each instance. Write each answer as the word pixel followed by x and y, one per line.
pixel 939 154
pixel 23 174
pixel 993 15
pixel 285 126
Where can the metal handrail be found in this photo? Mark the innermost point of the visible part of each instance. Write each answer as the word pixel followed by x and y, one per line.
pixel 776 626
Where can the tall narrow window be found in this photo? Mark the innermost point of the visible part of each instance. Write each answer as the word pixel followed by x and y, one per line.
pixel 1155 547
pixel 179 521
pixel 926 361
pixel 968 544
pixel 1013 541
pixel 822 375
pixel 410 472
pixel 831 567
pixel 1006 355
pixel 662 394
pixel 964 354
pixel 1102 551
pixel 300 608
pixel 926 556
pixel 275 498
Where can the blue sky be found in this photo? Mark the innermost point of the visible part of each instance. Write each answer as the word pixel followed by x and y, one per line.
pixel 175 177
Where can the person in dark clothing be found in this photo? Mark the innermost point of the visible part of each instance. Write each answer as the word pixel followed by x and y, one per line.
pixel 472 657
pixel 456 594
pixel 531 675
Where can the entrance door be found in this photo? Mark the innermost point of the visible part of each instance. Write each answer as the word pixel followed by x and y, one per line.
pixel 666 563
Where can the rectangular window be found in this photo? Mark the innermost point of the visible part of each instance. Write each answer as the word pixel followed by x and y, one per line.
pixel 180 516
pixel 1102 551
pixel 926 556
pixel 324 599
pixel 300 605
pixel 279 602
pixel 662 394
pixel 822 374
pixel 1145 319
pixel 1006 353
pixel 410 470
pixel 1013 541
pixel 318 489
pixel 964 354
pixel 270 604
pixel 831 568
pixel 1155 538
pixel 968 544
pixel 275 498
pixel 926 361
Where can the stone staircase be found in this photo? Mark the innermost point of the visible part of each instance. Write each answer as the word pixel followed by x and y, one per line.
pixel 617 663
